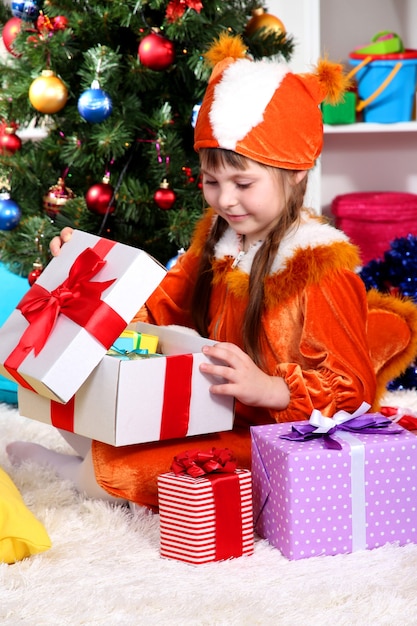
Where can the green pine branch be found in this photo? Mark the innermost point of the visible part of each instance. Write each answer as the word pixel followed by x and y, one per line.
pixel 148 136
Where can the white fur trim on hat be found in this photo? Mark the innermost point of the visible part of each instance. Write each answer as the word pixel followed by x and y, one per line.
pixel 241 97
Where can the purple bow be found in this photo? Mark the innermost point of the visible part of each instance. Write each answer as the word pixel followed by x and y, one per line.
pixel 323 427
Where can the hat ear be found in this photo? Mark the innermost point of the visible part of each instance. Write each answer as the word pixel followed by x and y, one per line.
pixel 328 83
pixel 223 52
pixel 223 47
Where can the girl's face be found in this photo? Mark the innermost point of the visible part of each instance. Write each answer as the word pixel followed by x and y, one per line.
pixel 250 200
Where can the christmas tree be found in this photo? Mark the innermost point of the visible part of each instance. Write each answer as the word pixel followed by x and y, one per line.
pixel 97 102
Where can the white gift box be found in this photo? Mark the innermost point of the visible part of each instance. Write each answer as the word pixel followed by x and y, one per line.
pixel 91 291
pixel 125 402
pixel 72 349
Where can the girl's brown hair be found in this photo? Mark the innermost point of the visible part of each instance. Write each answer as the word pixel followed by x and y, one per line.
pixel 213 158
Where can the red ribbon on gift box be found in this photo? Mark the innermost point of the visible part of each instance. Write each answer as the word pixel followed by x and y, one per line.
pixel 177 396
pixel 175 416
pixel 62 415
pixel 218 466
pixel 78 298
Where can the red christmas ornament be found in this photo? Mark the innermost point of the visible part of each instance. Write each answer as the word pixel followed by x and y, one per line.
pixel 35 273
pixel 9 141
pixel 56 197
pixel 99 197
pixel 60 22
pixel 156 52
pixel 164 197
pixel 10 31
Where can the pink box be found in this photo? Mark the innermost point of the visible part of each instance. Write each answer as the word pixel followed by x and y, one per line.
pixel 200 521
pixel 85 325
pixel 312 501
pixel 372 220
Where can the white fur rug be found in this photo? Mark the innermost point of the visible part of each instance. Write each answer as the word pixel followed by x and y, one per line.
pixel 104 567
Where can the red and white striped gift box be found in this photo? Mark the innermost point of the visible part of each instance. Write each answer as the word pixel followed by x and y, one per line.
pixel 206 519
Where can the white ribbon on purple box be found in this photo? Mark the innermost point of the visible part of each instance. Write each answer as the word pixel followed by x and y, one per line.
pixel 325 424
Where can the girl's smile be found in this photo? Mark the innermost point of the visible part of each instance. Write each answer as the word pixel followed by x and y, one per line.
pixel 236 218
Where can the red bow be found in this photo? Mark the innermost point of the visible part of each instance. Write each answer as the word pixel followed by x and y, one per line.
pixel 227 498
pixel 197 463
pixel 76 297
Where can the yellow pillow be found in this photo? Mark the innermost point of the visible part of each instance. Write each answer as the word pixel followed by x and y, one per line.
pixel 21 534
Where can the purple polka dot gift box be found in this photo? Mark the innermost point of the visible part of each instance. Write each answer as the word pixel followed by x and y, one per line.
pixel 347 485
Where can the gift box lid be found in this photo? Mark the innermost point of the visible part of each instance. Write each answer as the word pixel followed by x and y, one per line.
pixel 65 323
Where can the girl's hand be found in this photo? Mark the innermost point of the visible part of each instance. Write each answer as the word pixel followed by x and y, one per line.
pixel 245 380
pixel 57 242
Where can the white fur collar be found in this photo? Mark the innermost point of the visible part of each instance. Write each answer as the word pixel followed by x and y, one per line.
pixel 309 234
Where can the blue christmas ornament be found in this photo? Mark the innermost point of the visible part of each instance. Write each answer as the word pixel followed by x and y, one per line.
pixel 27 10
pixel 174 259
pixel 196 109
pixel 95 105
pixel 10 212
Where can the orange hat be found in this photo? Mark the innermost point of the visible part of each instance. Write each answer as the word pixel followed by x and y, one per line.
pixel 262 110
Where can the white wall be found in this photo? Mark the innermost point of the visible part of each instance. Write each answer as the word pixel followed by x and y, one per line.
pixel 336 27
pixel 358 161
pixel 301 20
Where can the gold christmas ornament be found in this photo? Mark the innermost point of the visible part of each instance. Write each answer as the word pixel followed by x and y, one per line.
pixel 261 19
pixel 47 93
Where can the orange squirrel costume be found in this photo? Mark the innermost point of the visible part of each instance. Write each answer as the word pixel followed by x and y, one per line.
pixel 328 366
pixel 334 345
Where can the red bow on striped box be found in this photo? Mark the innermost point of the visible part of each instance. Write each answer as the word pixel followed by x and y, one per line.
pixel 205 507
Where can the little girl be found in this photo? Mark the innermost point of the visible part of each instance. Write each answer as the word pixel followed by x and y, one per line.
pixel 274 285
